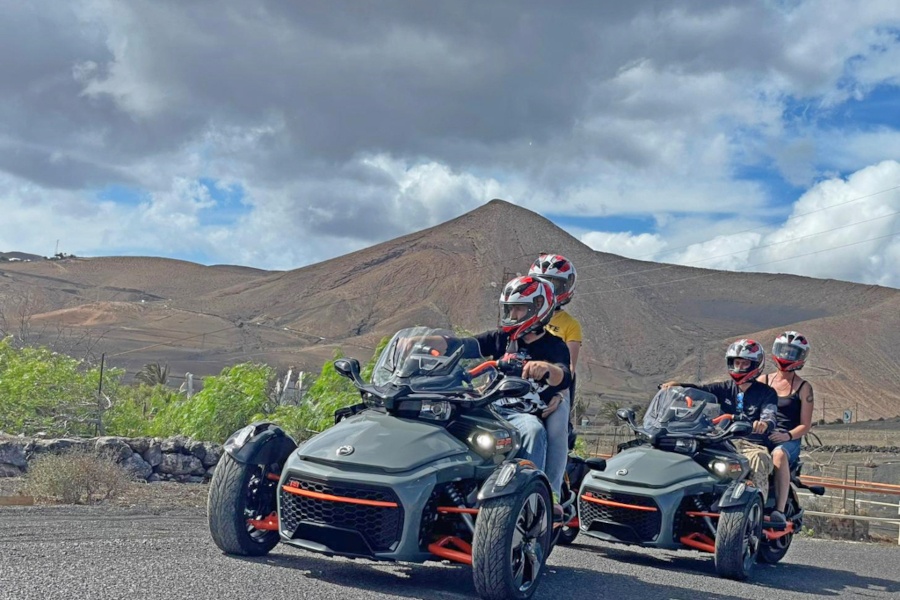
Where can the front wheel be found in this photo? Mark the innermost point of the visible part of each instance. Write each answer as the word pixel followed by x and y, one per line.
pixel 511 543
pixel 237 493
pixel 737 539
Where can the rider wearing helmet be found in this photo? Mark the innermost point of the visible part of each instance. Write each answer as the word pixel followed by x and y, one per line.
pixel 526 305
pixel 795 408
pixel 748 400
pixel 559 271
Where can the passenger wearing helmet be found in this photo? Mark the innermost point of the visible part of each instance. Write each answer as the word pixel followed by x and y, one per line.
pixel 748 400
pixel 795 409
pixel 559 271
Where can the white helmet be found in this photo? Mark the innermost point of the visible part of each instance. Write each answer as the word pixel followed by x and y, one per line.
pixel 750 350
pixel 536 295
pixel 790 351
pixel 560 271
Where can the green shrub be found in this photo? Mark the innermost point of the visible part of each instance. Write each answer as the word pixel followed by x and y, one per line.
pixel 135 408
pixel 75 477
pixel 329 393
pixel 227 402
pixel 49 392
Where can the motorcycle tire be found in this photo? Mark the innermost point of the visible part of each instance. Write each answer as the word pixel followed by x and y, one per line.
pixel 512 543
pixel 232 493
pixel 772 551
pixel 738 539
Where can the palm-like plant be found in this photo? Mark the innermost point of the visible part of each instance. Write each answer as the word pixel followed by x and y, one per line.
pixel 153 374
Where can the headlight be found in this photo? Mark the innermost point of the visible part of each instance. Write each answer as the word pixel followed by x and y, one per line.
pixel 725 468
pixel 490 443
pixel 436 411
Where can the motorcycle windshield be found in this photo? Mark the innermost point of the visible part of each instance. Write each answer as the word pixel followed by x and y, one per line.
pixel 427 360
pixel 678 407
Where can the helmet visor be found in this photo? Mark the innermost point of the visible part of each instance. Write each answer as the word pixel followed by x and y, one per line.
pixel 787 351
pixel 513 314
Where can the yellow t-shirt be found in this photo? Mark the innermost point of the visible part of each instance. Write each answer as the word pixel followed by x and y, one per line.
pixel 565 326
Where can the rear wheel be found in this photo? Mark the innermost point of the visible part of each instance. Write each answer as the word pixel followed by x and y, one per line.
pixel 738 539
pixel 511 543
pixel 237 493
pixel 772 551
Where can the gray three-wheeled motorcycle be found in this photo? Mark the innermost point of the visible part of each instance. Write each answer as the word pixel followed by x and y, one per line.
pixel 423 469
pixel 681 484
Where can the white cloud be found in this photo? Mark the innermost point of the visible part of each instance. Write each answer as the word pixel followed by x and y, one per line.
pixel 841 228
pixel 347 127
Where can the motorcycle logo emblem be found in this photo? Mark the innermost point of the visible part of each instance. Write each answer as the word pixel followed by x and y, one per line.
pixel 622 472
pixel 345 450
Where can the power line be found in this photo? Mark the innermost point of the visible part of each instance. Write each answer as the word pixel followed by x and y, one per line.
pixel 716 272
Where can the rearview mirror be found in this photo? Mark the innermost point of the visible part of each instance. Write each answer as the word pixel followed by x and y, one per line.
pixel 513 387
pixel 625 414
pixel 349 368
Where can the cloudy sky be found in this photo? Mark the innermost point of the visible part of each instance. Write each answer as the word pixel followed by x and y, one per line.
pixel 761 136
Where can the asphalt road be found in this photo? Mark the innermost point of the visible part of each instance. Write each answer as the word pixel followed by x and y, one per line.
pixel 103 553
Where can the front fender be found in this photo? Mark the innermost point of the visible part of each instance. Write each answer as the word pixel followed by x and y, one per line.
pixel 739 493
pixel 510 477
pixel 260 443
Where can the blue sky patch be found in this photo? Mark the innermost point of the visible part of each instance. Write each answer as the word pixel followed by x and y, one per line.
pixel 229 199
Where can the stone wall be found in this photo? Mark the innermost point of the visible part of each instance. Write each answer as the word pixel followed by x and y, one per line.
pixel 150 459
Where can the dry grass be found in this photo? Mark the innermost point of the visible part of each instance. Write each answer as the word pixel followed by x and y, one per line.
pixel 76 477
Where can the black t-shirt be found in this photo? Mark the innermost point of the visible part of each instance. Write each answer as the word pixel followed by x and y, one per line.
pixel 760 403
pixel 548 348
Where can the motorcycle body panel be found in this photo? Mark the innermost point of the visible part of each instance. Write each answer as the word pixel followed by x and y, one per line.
pixel 381 442
pixel 268 444
pixel 642 489
pixel 370 503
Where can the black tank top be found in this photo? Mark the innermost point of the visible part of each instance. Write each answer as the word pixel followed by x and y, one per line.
pixel 788 415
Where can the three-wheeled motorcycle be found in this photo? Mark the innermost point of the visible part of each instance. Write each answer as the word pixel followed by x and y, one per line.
pixel 422 469
pixel 681 484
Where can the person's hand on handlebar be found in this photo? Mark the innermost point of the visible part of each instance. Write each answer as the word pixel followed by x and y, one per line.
pixel 760 426
pixel 538 370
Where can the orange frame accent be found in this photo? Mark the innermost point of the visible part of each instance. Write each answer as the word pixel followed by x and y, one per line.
pixel 698 541
pixel 463 555
pixel 330 498
pixel 617 504
pixel 273 476
pixel 771 534
pixel 457 510
pixel 269 523
pixel 696 513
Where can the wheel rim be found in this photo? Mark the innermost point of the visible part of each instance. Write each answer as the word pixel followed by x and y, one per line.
pixel 254 509
pixel 528 542
pixel 752 535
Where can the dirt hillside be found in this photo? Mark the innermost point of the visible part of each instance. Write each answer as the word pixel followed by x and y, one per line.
pixel 643 322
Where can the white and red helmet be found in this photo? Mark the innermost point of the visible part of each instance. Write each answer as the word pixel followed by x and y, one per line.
pixel 790 351
pixel 750 350
pixel 559 271
pixel 536 295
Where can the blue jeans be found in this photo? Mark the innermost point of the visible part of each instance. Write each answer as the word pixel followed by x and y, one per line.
pixel 533 434
pixel 557 425
pixel 791 449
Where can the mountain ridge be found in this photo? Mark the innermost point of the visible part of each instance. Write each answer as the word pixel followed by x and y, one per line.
pixel 644 322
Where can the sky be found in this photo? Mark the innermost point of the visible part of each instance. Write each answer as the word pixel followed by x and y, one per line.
pixel 754 136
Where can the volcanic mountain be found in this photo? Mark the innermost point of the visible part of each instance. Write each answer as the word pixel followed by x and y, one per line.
pixel 643 322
